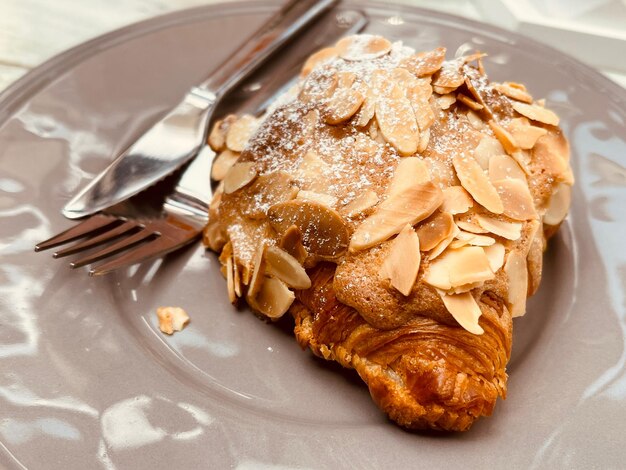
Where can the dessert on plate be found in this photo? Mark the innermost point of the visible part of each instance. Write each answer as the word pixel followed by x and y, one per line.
pixel 397 205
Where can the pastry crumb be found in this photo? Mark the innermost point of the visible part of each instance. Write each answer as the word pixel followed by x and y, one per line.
pixel 172 319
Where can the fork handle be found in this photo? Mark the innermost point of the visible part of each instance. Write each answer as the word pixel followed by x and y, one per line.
pixel 281 27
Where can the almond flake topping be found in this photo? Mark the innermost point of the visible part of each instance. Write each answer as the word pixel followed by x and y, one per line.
pixel 468 264
pixel 239 175
pixel 524 134
pixel 344 104
pixel 291 242
pixel 495 256
pixel 257 273
pixel 559 205
pixel 407 207
pixel 395 116
pixel 464 309
pixel 487 148
pixel 517 276
pixel 222 163
pixel 318 58
pixel 434 230
pixel 362 47
pixel 447 100
pixel 217 136
pixel 508 230
pixel 273 299
pixel 470 227
pixel 409 172
pixel 505 138
pixel 240 131
pixel 403 262
pixel 324 232
pixel 361 203
pixel 456 200
pixel 504 167
pixel 171 319
pixel 443 244
pixel 425 63
pixel 324 199
pixel 449 75
pixel 470 103
pixel 537 113
pixel 516 198
pixel 513 91
pixel 475 239
pixel 285 267
pixel 476 182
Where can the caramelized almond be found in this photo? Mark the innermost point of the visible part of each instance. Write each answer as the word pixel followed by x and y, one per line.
pixel 324 232
pixel 456 200
pixel 258 273
pixel 425 63
pixel 516 198
pixel 285 267
pixel 476 182
pixel 240 131
pixel 559 205
pixel 517 277
pixel 239 175
pixel 537 113
pixel 409 206
pixel 464 309
pixel 222 163
pixel 274 298
pixel 403 262
pixel 291 242
pixel 508 230
pixel 434 230
pixel 361 203
pixel 363 47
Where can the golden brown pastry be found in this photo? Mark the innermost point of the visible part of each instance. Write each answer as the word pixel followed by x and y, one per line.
pixel 397 205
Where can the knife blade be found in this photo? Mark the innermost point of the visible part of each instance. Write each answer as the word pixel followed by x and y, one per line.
pixel 178 136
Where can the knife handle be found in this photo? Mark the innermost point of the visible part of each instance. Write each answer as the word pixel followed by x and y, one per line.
pixel 276 32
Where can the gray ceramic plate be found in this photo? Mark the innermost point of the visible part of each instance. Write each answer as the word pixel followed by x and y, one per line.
pixel 87 381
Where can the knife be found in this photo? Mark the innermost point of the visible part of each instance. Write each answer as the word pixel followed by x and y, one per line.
pixel 179 135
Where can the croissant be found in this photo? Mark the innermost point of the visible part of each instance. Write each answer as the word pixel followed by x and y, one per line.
pixel 397 205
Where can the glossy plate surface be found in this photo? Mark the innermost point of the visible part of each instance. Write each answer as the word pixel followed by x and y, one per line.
pixel 88 381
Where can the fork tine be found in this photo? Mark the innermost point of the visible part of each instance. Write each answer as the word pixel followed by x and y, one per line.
pixel 92 224
pixel 158 247
pixel 121 245
pixel 97 240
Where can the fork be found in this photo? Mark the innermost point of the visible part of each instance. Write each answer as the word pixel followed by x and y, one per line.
pixel 185 215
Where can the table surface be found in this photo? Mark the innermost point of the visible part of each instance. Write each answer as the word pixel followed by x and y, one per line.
pixel 32 31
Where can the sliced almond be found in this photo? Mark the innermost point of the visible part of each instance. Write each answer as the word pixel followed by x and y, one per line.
pixel 313 172
pixel 475 120
pixel 425 63
pixel 239 175
pixel 217 136
pixel 396 117
pixel 424 139
pixel 476 182
pixel 470 227
pixel 258 273
pixel 274 298
pixel 524 134
pixel 552 152
pixel 344 104
pixel 536 113
pixel 367 110
pixel 318 88
pixel 464 309
pixel 285 267
pixel 240 131
pixel 403 262
pixel 171 319
pixel 471 80
pixel 559 205
pixel 230 280
pixel 320 57
pixel 447 100
pixel 291 242
pixel 505 138
pixel 465 265
pixel 487 148
pixel 517 277
pixel 475 239
pixel 361 203
pixel 410 206
pixel 222 163
pixel 236 278
pixel 443 90
pixel 324 232
pixel 509 90
pixel 504 167
pixel 470 103
pixel 363 47
pixel 456 200
pixel 324 199
pixel 508 230
pixel 495 256
pixel 516 198
pixel 456 244
pixel 434 230
pixel 409 172
pixel 449 75
pixel 443 244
